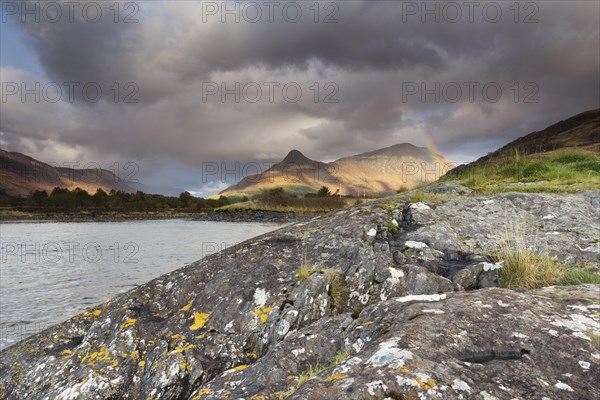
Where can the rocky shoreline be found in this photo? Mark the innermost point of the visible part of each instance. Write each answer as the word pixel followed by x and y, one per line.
pixel 385 300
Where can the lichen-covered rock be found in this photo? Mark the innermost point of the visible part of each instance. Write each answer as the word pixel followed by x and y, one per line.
pixel 384 278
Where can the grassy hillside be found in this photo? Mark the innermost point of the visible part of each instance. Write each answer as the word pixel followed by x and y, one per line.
pixel 560 171
pixel 580 132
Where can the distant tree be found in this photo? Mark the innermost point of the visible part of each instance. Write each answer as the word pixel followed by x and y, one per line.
pixel 40 195
pixel 324 192
pixel 186 199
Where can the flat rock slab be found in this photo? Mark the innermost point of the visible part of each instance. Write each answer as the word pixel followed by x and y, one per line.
pixel 375 317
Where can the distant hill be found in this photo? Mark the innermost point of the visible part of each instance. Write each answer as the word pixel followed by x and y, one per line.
pixel 377 173
pixel 21 174
pixel 581 131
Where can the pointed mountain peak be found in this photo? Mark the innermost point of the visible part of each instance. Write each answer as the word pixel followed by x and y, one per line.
pixel 296 157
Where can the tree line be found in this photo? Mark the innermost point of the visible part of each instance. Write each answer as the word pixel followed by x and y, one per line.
pixel 61 199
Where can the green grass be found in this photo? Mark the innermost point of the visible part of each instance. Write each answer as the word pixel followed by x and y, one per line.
pixel 392 227
pixel 579 276
pixel 594 337
pixel 528 270
pixel 524 269
pixel 305 271
pixel 561 171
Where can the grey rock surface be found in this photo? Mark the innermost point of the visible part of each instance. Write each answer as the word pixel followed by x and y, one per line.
pixel 383 314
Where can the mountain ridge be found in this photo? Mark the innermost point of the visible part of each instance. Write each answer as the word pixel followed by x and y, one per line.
pixel 21 174
pixel 374 173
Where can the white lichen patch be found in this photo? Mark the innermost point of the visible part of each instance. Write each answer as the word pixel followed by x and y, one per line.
pixel 460 385
pixel 411 244
pixel 372 386
pixel 297 352
pixel 260 297
pixel 372 232
pixel 421 297
pixel 548 217
pixel 492 267
pixel 363 298
pixel 578 323
pixel 563 386
pixel 487 396
pixel 584 364
pixel 358 345
pixel 419 206
pixel 488 202
pixel 396 274
pixel 402 381
pixel 432 311
pixel 389 355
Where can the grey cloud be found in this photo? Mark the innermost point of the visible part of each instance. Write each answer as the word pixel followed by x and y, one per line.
pixel 370 54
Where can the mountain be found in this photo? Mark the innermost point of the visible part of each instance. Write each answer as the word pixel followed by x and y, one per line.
pixel 376 173
pixel 581 131
pixel 21 174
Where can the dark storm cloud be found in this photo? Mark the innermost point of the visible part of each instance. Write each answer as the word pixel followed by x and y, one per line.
pixel 374 53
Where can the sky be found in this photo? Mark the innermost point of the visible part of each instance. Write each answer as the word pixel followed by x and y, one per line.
pixel 185 95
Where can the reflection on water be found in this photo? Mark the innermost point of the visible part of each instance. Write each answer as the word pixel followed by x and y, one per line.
pixel 51 271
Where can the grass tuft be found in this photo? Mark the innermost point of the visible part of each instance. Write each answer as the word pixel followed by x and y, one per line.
pixel 337 288
pixel 524 269
pixel 305 271
pixel 579 276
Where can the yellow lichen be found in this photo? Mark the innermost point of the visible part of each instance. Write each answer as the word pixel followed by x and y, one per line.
pixel 202 392
pixel 199 320
pixel 178 337
pixel 403 369
pixel 128 324
pixel 240 368
pixel 251 355
pixel 290 377
pixel 66 353
pixel 185 366
pixel 430 384
pixel 185 347
pixel 263 312
pixel 336 377
pixel 186 307
pixel 257 397
pixel 142 363
pixel 94 313
pixel 101 356
pixel 135 354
